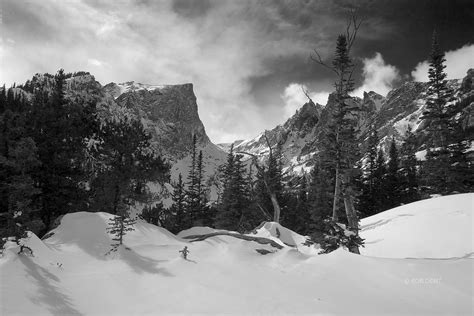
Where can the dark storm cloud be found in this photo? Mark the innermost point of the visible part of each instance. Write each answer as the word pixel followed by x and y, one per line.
pixel 248 59
pixel 191 8
pixel 32 27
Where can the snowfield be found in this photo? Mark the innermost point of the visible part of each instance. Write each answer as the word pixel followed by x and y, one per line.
pixel 418 261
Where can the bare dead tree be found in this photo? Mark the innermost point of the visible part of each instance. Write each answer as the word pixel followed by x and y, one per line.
pixel 306 94
pixel 266 181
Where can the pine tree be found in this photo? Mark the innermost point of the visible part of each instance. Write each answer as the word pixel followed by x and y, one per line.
pixel 232 214
pixel 128 163
pixel 119 226
pixel 380 175
pixel 196 195
pixel 296 214
pixel 178 209
pixel 227 215
pixel 192 194
pixel 392 179
pixel 367 203
pixel 340 137
pixel 18 193
pixel 461 177
pixel 59 127
pixel 320 198
pixel 409 173
pixel 437 114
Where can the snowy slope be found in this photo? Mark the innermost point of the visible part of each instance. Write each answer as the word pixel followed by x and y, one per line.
pixel 441 227
pixel 70 275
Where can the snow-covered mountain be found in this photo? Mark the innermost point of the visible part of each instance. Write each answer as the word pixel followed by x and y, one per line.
pixel 392 115
pixel 417 261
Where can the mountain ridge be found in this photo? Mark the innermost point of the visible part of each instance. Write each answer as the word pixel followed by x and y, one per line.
pixel 402 107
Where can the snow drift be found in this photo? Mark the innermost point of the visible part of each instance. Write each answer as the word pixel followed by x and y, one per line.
pixel 440 228
pixel 70 274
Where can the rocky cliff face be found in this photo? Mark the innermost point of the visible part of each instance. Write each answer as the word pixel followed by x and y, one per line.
pixel 402 107
pixel 169 113
pixel 293 135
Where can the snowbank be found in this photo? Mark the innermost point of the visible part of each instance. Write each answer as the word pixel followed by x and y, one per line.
pixel 198 230
pixel 71 275
pixel 440 227
pixel 283 234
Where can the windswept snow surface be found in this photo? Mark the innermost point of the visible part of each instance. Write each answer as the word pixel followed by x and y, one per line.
pixel 439 228
pixel 71 275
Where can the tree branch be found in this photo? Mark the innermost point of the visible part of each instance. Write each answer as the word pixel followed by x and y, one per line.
pixel 319 60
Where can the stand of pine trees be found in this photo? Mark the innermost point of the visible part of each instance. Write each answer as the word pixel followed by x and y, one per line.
pixel 56 157
pixel 446 169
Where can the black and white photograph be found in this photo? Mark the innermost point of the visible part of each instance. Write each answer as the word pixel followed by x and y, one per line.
pixel 236 157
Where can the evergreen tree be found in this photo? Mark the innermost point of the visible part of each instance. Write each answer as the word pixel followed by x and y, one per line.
pixel 127 164
pixel 119 226
pixel 392 179
pixel 368 199
pixel 192 194
pixel 409 173
pixel 460 178
pixel 179 207
pixel 59 127
pixel 18 193
pixel 232 214
pixel 380 175
pixel 296 206
pixel 320 199
pixel 437 114
pixel 339 137
pixel 196 195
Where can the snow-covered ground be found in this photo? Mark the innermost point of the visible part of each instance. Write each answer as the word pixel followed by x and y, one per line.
pixel 71 275
pixel 437 228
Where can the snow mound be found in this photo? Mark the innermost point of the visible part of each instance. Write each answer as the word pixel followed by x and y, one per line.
pixel 70 275
pixel 88 232
pixel 285 237
pixel 198 230
pixel 439 228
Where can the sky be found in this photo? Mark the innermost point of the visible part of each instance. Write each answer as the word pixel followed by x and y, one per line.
pixel 249 60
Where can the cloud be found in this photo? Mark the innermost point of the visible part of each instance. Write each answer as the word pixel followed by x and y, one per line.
pixel 378 76
pixel 294 97
pixel 458 62
pixel 223 47
pixel 95 62
pixel 218 48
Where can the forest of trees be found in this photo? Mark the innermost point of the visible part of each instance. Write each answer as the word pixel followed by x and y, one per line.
pixel 57 157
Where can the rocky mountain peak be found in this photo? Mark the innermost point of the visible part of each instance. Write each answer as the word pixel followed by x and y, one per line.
pixel 372 101
pixel 168 112
pixel 467 84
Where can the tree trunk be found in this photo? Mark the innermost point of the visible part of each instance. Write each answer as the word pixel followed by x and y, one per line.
pixel 351 216
pixel 121 230
pixel 337 188
pixel 276 207
pixel 116 199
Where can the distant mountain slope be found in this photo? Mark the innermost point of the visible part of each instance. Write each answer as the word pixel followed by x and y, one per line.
pixel 402 107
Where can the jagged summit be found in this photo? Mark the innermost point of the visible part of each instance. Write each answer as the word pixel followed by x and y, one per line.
pixel 117 89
